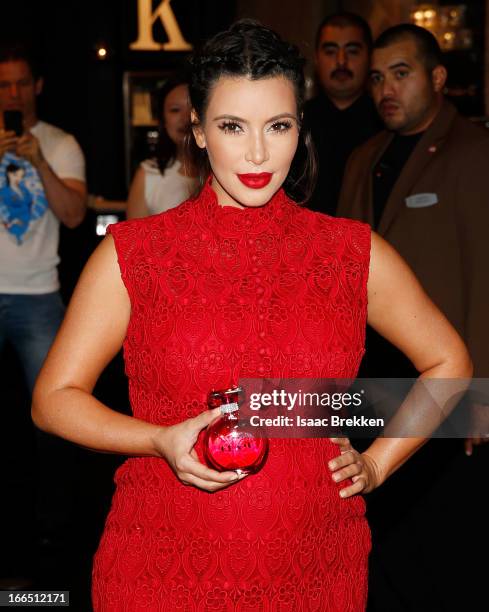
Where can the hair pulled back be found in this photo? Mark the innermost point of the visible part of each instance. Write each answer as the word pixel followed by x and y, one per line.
pixel 249 49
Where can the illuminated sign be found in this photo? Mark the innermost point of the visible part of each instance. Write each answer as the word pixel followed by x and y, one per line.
pixel 147 17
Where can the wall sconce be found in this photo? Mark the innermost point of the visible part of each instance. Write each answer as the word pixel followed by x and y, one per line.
pixel 446 23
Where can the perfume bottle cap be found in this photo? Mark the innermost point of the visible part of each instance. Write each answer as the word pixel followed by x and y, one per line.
pixel 233 390
pixel 227 396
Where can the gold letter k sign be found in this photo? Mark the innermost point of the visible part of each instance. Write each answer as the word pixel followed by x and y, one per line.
pixel 147 18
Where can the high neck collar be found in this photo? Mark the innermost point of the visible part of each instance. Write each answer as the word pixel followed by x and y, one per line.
pixel 250 219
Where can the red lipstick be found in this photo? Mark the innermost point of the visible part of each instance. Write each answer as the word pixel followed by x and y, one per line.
pixel 256 180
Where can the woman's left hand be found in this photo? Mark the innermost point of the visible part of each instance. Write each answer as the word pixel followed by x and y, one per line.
pixel 359 467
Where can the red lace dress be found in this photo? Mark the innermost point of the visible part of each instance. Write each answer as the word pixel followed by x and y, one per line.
pixel 218 294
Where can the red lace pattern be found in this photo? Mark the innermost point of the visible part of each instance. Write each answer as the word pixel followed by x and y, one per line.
pixel 218 294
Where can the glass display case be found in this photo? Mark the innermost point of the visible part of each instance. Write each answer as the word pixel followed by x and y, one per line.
pixel 141 116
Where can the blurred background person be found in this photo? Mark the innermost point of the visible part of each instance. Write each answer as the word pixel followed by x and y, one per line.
pixel 422 183
pixel 342 115
pixel 49 170
pixel 168 179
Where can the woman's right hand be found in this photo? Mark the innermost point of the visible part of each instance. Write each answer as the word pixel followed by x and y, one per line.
pixel 176 444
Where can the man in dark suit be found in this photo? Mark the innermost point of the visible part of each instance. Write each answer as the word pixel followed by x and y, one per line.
pixel 342 115
pixel 423 184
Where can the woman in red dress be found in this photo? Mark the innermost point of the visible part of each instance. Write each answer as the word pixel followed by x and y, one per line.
pixel 239 282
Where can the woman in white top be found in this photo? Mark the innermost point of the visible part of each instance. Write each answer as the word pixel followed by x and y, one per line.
pixel 165 181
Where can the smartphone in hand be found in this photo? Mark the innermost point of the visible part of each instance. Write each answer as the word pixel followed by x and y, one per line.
pixel 13 121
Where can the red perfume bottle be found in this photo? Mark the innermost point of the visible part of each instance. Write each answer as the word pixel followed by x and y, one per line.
pixel 230 443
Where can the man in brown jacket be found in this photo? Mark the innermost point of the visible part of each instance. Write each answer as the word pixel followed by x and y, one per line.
pixel 423 184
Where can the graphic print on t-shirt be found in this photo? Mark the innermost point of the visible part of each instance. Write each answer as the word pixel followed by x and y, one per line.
pixel 22 197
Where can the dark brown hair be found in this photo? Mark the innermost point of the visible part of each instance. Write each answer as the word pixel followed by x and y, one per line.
pixel 428 49
pixel 345 20
pixel 21 51
pixel 248 49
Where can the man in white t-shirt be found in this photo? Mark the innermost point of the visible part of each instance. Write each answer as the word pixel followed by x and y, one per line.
pixel 42 184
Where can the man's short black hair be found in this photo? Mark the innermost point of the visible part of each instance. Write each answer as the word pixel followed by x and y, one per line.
pixel 428 49
pixel 21 51
pixel 345 20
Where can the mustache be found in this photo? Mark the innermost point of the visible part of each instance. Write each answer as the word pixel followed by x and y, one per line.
pixel 340 71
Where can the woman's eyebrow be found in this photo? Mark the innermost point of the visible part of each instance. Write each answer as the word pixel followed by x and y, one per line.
pixel 274 118
pixel 282 116
pixel 232 117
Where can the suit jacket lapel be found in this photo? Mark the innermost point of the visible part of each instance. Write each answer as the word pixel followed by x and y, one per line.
pixel 420 158
pixel 366 201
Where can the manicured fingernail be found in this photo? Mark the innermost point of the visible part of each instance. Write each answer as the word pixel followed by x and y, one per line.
pixel 342 493
pixel 336 477
pixel 332 465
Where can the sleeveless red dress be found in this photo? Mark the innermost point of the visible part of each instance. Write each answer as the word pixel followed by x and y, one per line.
pixel 219 293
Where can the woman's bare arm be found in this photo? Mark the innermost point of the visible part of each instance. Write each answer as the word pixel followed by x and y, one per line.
pixel 91 334
pixel 136 200
pixel 400 310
